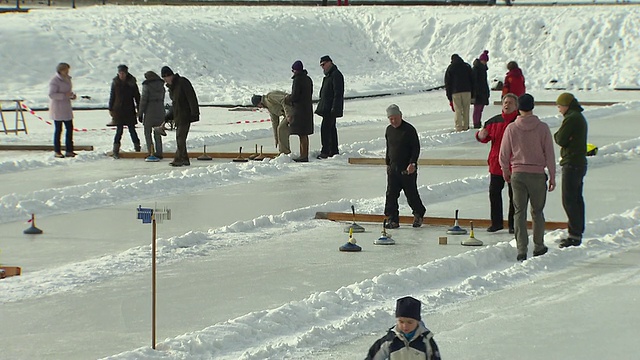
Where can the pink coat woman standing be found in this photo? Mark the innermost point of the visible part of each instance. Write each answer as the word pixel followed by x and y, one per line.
pixel 60 95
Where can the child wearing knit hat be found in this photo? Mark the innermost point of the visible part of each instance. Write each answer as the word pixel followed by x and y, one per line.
pixel 408 337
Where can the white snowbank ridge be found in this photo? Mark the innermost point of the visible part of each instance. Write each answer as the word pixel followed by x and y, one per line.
pixel 387 49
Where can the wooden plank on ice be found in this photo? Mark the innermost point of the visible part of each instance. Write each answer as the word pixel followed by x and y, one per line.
pixel 423 162
pixel 583 103
pixel 428 220
pixel 13 147
pixel 192 155
pixel 8 271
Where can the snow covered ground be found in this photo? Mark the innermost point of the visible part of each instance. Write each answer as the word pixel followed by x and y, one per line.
pixel 244 272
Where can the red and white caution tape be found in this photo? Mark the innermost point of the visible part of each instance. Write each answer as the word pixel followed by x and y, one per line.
pixel 24 106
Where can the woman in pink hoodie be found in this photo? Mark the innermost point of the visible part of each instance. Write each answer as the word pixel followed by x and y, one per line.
pixel 60 95
pixel 526 150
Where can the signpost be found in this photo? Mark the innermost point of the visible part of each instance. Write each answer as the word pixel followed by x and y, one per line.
pixel 153 216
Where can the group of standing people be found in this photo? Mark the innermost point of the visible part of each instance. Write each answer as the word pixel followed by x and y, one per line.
pixel 466 85
pixel 296 110
pixel 521 150
pixel 127 106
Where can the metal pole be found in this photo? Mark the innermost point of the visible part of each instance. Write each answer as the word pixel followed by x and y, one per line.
pixel 153 283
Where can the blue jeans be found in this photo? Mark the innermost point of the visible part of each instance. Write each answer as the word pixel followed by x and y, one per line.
pixel 68 125
pixel 572 200
pixel 132 132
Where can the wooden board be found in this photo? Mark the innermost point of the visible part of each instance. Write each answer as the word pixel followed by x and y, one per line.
pixel 423 162
pixel 428 220
pixel 192 155
pixel 583 103
pixel 42 147
pixel 8 271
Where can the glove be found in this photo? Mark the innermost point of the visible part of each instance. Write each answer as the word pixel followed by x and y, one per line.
pixel 451 105
pixel 195 118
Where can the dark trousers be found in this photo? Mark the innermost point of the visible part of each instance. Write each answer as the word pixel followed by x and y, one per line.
pixel 397 182
pixel 132 132
pixel 329 136
pixel 495 198
pixel 572 200
pixel 182 131
pixel 68 140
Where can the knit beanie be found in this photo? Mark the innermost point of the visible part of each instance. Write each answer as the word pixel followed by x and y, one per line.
pixel 525 102
pixel 297 66
pixel 565 99
pixel 325 58
pixel 166 71
pixel 123 68
pixel 484 56
pixel 256 99
pixel 408 307
pixel 393 109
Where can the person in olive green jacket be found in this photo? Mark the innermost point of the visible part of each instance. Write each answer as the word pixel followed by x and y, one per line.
pixel 572 139
pixel 274 101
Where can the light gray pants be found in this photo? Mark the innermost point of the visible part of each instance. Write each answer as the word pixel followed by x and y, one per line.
pixel 148 130
pixel 529 187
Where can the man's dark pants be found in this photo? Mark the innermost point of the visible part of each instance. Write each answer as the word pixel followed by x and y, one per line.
pixel 397 182
pixel 181 143
pixel 572 200
pixel 329 136
pixel 496 185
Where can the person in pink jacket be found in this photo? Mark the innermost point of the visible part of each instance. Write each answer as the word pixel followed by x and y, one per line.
pixel 526 150
pixel 60 95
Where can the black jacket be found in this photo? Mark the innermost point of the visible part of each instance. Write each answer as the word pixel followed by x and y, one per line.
pixel 458 78
pixel 301 93
pixel 480 92
pixel 403 146
pixel 124 100
pixel 331 94
pixel 184 101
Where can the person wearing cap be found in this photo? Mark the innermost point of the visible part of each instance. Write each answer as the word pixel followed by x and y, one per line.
pixel 408 339
pixel 481 90
pixel 185 110
pixel 301 123
pixel 123 102
pixel 60 110
pixel 513 80
pixel 572 139
pixel 525 152
pixel 401 158
pixel 330 106
pixel 493 131
pixel 458 84
pixel 275 102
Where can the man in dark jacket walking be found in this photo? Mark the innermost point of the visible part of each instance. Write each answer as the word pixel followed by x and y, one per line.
pixel 572 138
pixel 403 150
pixel 123 102
pixel 458 83
pixel 185 111
pixel 330 106
pixel 301 123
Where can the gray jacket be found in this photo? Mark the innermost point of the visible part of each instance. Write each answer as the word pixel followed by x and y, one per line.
pixel 152 102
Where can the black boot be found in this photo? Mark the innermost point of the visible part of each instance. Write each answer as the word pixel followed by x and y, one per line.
pixel 116 151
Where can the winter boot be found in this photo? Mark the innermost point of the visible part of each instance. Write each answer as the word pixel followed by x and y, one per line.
pixel 116 150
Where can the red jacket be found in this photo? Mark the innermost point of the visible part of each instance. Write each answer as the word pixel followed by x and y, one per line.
pixel 495 128
pixel 514 83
